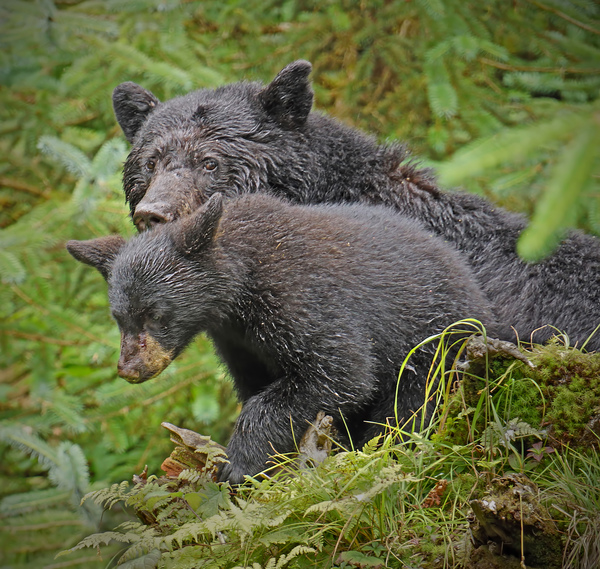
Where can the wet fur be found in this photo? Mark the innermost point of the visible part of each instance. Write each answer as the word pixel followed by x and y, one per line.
pixel 312 308
pixel 265 139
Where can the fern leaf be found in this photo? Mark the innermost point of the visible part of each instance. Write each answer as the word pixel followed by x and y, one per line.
pixel 358 559
pixel 108 497
pixel 148 561
pixel 149 543
pixel 97 539
pixel 193 531
pixel 437 51
pixel 494 50
pixel 389 475
pixel 466 46
pixel 324 506
pixel 570 175
pixel 208 501
pixel 296 552
pixel 67 410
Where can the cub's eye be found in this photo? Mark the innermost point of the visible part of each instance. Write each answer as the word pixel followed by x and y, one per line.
pixel 150 165
pixel 210 165
pixel 154 319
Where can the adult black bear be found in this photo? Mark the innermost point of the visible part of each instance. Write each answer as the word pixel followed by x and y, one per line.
pixel 312 308
pixel 246 137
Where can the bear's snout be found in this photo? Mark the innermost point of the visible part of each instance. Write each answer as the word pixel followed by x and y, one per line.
pixel 142 357
pixel 150 215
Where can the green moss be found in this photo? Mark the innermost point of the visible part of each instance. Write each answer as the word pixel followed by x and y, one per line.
pixel 573 387
pixel 561 395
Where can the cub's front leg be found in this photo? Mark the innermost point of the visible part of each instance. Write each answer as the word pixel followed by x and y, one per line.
pixel 274 420
pixel 269 423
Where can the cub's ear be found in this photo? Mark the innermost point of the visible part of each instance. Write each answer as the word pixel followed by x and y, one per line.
pixel 289 97
pixel 99 253
pixel 132 105
pixel 198 229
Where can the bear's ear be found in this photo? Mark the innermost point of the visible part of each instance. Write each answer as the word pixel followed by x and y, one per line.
pixel 132 105
pixel 99 253
pixel 199 228
pixel 289 97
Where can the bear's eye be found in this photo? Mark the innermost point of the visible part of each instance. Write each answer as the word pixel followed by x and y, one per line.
pixel 150 165
pixel 156 322
pixel 153 318
pixel 210 165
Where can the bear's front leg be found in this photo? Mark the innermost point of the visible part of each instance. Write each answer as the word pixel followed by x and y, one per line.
pixel 269 423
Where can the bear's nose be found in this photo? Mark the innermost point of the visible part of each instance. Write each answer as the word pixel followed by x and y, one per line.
pixel 151 216
pixel 128 371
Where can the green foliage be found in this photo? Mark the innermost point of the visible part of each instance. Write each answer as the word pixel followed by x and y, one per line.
pixel 575 483
pixel 557 398
pixel 391 504
pixel 504 99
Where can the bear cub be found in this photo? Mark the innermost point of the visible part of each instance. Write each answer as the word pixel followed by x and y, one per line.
pixel 312 308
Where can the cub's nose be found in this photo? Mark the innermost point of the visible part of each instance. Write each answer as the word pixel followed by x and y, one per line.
pixel 151 215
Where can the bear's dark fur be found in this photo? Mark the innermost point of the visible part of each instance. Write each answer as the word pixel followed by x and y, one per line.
pixel 312 308
pixel 246 137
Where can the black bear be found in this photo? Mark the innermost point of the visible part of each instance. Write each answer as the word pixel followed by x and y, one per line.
pixel 312 308
pixel 246 137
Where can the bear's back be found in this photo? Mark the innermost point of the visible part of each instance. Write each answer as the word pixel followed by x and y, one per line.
pixel 366 262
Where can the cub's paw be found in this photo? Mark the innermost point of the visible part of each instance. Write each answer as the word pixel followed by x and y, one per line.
pixel 232 472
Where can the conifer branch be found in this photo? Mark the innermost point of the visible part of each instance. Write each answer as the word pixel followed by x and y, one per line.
pixel 39 338
pixel 147 402
pixel 44 310
pixel 559 70
pixel 566 17
pixel 23 187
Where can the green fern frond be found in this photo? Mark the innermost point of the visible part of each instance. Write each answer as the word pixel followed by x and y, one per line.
pixel 97 539
pixel 466 46
pixel 439 50
pixel 358 559
pixel 86 139
pixel 67 410
pixel 135 6
pixel 142 559
pixel 66 465
pixel 108 497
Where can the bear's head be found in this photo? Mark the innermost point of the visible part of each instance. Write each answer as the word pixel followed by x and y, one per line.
pixel 162 285
pixel 237 138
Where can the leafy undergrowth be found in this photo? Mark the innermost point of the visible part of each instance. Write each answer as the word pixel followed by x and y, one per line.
pixel 491 482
